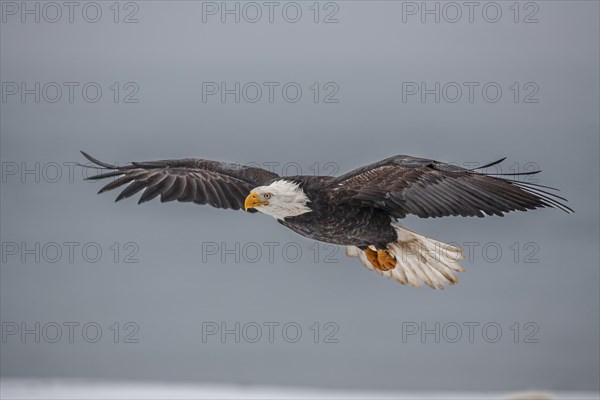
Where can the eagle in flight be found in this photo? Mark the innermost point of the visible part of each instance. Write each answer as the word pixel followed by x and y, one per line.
pixel 359 209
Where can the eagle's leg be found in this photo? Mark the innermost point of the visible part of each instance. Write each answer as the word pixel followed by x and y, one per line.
pixel 372 257
pixel 386 260
pixel 381 259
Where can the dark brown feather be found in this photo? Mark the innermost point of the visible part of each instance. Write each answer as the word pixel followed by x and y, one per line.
pixel 404 185
pixel 219 184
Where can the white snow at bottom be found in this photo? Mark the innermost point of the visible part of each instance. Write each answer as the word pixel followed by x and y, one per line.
pixel 11 388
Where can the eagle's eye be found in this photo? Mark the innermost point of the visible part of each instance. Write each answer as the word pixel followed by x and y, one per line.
pixel 267 195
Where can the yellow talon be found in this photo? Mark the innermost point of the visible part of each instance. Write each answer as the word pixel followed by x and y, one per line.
pixel 381 259
pixel 386 260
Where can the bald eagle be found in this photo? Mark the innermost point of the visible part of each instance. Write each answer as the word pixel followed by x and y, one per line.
pixel 359 209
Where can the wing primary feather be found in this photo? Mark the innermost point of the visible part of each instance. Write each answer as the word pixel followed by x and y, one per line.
pixel 98 162
pixel 201 193
pixel 508 173
pixel 189 194
pixel 533 186
pixel 488 165
pixel 116 183
pixel 130 190
pixel 174 191
pixel 103 175
pixel 152 189
pixel 166 185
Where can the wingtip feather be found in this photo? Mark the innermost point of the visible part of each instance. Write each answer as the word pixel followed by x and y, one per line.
pixel 98 162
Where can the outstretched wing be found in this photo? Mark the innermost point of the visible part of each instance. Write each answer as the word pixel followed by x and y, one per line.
pixel 222 185
pixel 403 185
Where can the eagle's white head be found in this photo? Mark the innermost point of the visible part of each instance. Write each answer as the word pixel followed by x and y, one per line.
pixel 280 199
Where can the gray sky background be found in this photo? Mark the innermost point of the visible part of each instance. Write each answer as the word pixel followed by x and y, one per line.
pixel 367 56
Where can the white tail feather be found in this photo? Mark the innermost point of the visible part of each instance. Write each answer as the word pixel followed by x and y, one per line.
pixel 418 259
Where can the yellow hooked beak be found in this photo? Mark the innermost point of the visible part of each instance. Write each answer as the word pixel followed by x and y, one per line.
pixel 253 201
